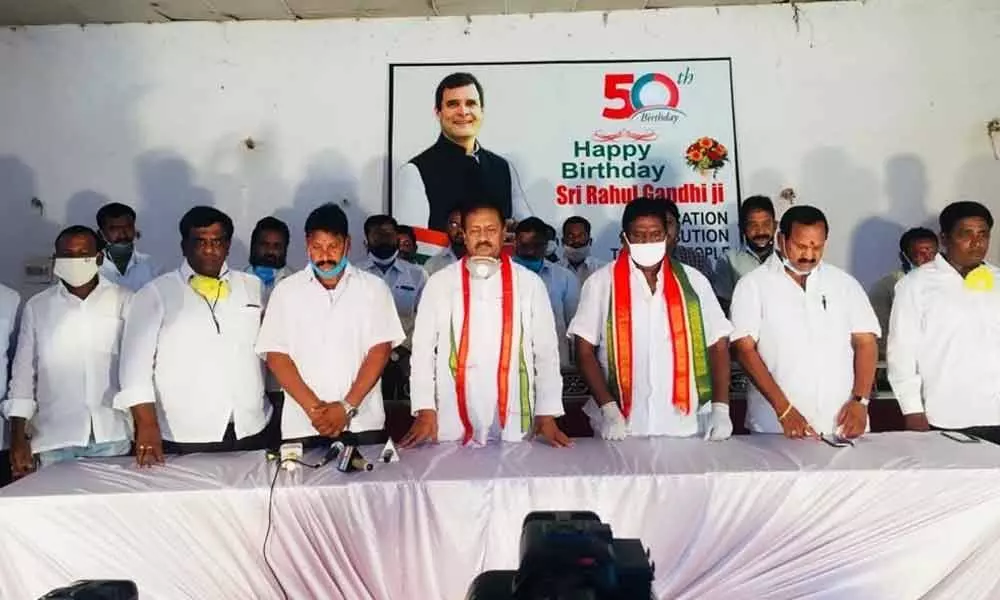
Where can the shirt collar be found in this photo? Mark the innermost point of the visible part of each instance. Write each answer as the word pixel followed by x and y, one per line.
pixel 102 283
pixel 747 250
pixel 449 146
pixel 187 272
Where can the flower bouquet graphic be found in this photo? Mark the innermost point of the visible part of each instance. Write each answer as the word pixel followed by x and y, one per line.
pixel 707 155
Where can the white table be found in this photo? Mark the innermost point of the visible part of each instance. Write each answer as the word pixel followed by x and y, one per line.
pixel 901 515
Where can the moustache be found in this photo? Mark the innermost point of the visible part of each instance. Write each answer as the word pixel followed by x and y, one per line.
pixel 485 245
pixel 326 265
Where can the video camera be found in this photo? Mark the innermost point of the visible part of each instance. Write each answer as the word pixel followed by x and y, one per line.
pixel 570 556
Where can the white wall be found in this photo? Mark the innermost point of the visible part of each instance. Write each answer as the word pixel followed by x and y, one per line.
pixel 874 111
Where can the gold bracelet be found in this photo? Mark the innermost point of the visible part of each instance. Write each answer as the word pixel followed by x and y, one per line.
pixel 785 414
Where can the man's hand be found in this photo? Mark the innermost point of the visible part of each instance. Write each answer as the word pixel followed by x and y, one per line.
pixel 423 430
pixel 852 419
pixel 547 430
pixel 21 460
pixel 720 425
pixel 613 425
pixel 329 418
pixel 148 439
pixel 795 425
pixel 916 422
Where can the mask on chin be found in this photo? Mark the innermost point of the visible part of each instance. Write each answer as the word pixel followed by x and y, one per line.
pixel 482 267
pixel 576 255
pixel 332 272
pixel 788 265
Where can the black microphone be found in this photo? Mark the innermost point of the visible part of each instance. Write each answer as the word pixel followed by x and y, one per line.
pixel 351 460
pixel 338 445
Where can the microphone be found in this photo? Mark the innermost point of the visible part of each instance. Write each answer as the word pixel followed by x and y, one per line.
pixel 337 447
pixel 351 460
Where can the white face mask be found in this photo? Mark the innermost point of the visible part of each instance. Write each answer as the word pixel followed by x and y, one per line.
pixel 576 255
pixel 788 265
pixel 482 267
pixel 647 255
pixel 75 271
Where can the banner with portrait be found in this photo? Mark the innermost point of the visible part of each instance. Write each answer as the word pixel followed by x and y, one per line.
pixel 586 137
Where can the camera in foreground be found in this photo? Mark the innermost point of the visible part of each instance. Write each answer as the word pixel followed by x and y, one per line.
pixel 570 556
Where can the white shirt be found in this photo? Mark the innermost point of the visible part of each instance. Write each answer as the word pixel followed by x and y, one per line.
pixel 440 260
pixel 431 382
pixel 408 190
pixel 327 334
pixel 198 365
pixel 139 271
pixel 564 294
pixel 267 289
pixel 653 412
pixel 9 303
pixel 406 282
pixel 804 338
pixel 583 270
pixel 65 372
pixel 944 347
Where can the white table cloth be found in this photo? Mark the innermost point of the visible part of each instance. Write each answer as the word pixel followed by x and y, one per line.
pixel 901 515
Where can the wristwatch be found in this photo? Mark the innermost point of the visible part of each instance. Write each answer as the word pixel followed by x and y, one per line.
pixel 349 409
pixel 864 401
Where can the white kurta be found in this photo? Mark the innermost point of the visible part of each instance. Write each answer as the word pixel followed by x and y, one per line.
pixel 195 361
pixel 431 382
pixel 944 347
pixel 327 334
pixel 804 339
pixel 65 372
pixel 653 412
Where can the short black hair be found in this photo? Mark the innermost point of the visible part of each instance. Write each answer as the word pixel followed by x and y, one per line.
pixel 377 221
pixel 205 216
pixel 803 215
pixel 915 235
pixel 755 203
pixel 329 218
pixel 956 211
pixel 576 220
pixel 74 230
pixel 645 206
pixel 113 210
pixel 457 80
pixel 407 231
pixel 532 225
pixel 269 224
pixel 550 232
pixel 482 204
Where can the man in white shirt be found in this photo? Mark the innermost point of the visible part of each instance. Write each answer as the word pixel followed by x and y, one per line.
pixel 189 372
pixel 10 301
pixel 804 332
pixel 269 253
pixel 456 251
pixel 758 226
pixel 456 167
pixel 917 247
pixel 576 248
pixel 944 332
pixel 561 284
pixel 485 354
pixel 125 265
pixel 327 335
pixel 651 339
pixel 65 371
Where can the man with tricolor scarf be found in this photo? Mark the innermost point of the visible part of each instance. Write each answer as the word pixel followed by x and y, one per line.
pixel 651 338
pixel 485 362
pixel 944 332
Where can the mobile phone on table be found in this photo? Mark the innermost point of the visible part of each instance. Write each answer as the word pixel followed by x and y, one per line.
pixel 836 441
pixel 961 438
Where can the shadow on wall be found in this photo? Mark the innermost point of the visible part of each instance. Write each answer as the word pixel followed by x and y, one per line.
pixel 979 180
pixel 26 230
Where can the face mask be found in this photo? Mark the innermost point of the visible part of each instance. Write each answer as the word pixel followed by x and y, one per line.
pixel 907 264
pixel 266 274
pixel 482 267
pixel 647 255
pixel 551 248
pixel 979 279
pixel 209 288
pixel 120 250
pixel 382 261
pixel 383 251
pixel 75 271
pixel 576 255
pixel 532 264
pixel 788 265
pixel 330 273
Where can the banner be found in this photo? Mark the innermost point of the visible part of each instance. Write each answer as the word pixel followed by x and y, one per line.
pixel 585 138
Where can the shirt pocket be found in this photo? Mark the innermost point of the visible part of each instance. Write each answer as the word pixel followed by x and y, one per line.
pixel 245 324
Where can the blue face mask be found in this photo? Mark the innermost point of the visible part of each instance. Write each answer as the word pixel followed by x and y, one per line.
pixel 266 274
pixel 330 273
pixel 532 264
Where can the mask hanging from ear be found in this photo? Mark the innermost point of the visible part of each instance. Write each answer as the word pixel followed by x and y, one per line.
pixel 979 279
